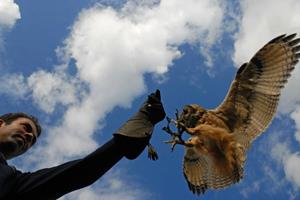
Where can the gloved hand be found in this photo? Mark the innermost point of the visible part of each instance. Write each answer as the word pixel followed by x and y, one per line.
pixel 135 134
pixel 153 108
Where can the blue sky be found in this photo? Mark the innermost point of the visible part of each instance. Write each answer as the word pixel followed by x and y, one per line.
pixel 83 67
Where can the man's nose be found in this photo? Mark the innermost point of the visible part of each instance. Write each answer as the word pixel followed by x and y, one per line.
pixel 28 137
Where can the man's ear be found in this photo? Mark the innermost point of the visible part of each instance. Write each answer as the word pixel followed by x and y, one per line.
pixel 2 122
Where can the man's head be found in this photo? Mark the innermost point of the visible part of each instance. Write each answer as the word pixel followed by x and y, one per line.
pixel 18 132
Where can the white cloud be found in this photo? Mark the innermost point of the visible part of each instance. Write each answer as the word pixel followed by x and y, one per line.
pixel 49 89
pixel 282 154
pixel 14 85
pixel 254 188
pixel 262 20
pixel 280 151
pixel 9 13
pixel 272 177
pixel 46 89
pixel 292 170
pixel 295 115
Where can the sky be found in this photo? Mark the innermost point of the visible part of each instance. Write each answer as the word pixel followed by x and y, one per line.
pixel 84 67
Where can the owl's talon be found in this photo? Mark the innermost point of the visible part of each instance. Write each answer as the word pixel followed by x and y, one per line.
pixel 174 142
pixel 177 114
pixel 176 136
pixel 152 154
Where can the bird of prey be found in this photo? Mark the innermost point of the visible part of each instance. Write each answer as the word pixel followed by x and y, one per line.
pixel 216 151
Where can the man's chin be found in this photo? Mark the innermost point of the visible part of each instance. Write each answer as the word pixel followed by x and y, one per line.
pixel 12 149
pixel 14 154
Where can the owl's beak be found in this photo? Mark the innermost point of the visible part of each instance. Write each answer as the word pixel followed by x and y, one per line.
pixel 188 144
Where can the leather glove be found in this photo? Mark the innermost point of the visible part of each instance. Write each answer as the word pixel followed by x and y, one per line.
pixel 135 134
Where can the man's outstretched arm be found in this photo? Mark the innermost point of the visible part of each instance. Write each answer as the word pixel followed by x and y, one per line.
pixel 129 141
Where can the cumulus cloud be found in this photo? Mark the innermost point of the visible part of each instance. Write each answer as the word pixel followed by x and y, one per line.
pixel 9 13
pixel 291 168
pixel 62 89
pixel 46 89
pixel 15 85
pixel 295 115
pixel 254 188
pixel 284 157
pixel 261 21
pixel 258 25
pixel 274 176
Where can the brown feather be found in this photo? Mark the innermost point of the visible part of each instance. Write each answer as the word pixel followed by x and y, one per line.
pixel 217 148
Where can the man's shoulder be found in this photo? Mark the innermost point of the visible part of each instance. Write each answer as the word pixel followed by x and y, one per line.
pixel 5 168
pixel 2 159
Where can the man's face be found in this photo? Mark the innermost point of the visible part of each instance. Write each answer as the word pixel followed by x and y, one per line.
pixel 17 137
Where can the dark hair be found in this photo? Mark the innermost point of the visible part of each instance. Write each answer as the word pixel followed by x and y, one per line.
pixel 10 117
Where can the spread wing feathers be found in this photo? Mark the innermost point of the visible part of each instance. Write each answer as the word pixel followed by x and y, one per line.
pixel 205 171
pixel 252 99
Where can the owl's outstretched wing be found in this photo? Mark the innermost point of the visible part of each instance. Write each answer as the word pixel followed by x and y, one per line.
pixel 252 99
pixel 205 171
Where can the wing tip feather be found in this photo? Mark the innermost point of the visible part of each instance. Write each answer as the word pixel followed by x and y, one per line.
pixel 276 38
pixel 241 69
pixel 289 37
pixel 195 189
pixel 283 37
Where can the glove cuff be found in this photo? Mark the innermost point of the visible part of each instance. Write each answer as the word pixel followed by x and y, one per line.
pixel 138 126
pixel 131 147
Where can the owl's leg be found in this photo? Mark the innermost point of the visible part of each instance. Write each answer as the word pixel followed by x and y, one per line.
pixel 176 136
pixel 174 142
pixel 181 128
pixel 169 131
pixel 191 131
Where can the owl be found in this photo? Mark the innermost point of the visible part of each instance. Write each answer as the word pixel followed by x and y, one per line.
pixel 216 151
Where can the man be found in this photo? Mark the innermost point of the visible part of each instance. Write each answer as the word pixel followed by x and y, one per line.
pixel 19 131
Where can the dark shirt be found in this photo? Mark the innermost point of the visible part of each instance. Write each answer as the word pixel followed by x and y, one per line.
pixel 52 183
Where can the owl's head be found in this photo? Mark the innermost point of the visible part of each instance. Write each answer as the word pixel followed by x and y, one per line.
pixel 191 114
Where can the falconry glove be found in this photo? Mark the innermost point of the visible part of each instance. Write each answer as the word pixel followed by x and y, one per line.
pixel 135 134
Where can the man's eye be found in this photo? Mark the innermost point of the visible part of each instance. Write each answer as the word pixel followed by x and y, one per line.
pixel 27 128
